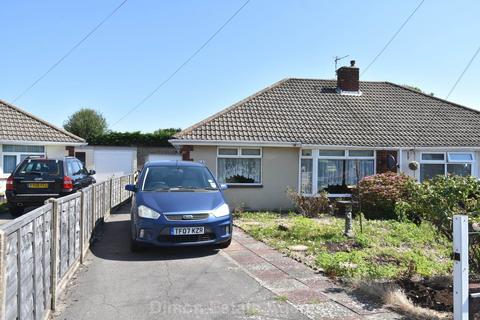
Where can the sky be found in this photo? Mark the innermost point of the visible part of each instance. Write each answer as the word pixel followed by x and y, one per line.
pixel 146 40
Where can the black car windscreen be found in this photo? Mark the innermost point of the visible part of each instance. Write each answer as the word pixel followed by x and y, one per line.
pixel 162 178
pixel 40 167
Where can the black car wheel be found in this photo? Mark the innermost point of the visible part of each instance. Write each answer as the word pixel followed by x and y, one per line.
pixel 225 244
pixel 135 246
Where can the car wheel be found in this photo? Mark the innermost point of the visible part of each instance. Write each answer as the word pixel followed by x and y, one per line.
pixel 135 246
pixel 225 245
pixel 16 211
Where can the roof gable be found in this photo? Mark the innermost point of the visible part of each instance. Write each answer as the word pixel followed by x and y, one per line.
pixel 310 111
pixel 21 126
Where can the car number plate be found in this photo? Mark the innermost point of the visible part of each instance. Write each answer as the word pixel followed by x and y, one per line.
pixel 38 185
pixel 181 231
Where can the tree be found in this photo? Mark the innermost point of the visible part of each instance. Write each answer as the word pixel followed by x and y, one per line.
pixel 86 123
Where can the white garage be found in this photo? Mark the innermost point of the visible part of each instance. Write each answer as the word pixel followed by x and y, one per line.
pixel 158 157
pixel 108 161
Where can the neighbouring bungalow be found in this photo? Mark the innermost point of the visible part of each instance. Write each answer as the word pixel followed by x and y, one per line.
pixel 314 135
pixel 22 134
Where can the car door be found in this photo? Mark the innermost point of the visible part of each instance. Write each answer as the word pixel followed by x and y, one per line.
pixel 73 172
pixel 81 175
pixel 86 178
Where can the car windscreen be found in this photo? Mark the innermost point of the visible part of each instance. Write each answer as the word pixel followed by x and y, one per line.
pixel 40 167
pixel 181 178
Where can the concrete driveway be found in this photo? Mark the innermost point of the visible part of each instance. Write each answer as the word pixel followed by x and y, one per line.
pixel 245 281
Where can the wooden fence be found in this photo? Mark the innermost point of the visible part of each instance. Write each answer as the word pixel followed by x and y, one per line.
pixel 41 250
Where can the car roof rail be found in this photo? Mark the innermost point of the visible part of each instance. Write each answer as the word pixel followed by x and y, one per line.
pixel 36 157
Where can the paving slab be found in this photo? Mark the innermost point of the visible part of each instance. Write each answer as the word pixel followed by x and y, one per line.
pixel 304 296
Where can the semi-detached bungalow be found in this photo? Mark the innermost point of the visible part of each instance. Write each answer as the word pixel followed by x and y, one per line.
pixel 22 134
pixel 314 135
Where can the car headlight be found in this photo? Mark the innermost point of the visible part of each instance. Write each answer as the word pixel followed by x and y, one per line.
pixel 221 211
pixel 146 212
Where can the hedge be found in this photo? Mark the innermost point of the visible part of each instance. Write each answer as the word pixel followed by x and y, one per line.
pixel 158 138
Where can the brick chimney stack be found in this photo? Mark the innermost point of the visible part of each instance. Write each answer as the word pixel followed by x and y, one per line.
pixel 348 78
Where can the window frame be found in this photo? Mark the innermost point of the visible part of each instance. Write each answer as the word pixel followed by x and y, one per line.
pixel 317 153
pixel 446 161
pixel 316 156
pixel 18 158
pixel 461 161
pixel 433 161
pixel 240 156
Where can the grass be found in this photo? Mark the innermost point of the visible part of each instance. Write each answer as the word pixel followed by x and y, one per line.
pixel 386 249
pixel 281 298
pixel 3 207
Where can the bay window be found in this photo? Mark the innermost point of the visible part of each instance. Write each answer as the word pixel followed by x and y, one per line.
pixel 334 170
pixel 443 163
pixel 12 155
pixel 239 165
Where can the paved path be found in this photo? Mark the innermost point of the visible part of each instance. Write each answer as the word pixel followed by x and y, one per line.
pixel 247 281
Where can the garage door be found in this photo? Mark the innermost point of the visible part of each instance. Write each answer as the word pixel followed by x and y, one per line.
pixel 113 163
pixel 157 157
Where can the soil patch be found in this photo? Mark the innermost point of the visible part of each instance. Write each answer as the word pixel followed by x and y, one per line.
pixel 437 293
pixel 345 246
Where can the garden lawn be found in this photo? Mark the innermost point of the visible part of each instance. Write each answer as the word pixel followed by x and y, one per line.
pixel 387 249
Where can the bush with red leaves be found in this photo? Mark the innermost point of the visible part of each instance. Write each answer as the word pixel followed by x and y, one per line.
pixel 378 194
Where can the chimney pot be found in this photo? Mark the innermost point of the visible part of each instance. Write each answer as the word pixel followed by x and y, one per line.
pixel 352 63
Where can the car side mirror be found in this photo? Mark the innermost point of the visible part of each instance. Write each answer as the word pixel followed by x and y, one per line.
pixel 131 187
pixel 92 172
pixel 223 186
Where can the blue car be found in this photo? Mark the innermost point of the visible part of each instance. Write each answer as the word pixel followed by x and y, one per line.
pixel 178 203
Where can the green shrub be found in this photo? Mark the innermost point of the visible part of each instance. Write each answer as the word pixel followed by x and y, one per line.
pixel 159 138
pixel 378 194
pixel 439 199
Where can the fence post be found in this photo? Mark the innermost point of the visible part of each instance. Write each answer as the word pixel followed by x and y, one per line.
pixel 111 195
pixel 82 225
pixel 460 269
pixel 54 251
pixel 105 214
pixel 3 273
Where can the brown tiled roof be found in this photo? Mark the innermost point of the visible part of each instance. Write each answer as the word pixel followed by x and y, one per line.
pixel 18 125
pixel 310 111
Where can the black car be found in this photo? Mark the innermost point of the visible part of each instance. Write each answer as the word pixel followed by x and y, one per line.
pixel 37 179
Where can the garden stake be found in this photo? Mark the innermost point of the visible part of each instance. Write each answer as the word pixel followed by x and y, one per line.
pixel 361 221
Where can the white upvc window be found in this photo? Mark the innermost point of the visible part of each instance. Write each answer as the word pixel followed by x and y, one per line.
pixel 239 165
pixel 333 170
pixel 443 163
pixel 12 155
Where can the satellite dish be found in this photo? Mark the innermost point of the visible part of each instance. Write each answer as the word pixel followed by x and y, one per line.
pixel 391 162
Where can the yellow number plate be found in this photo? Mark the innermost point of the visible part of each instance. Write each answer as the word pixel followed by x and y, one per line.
pixel 38 185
